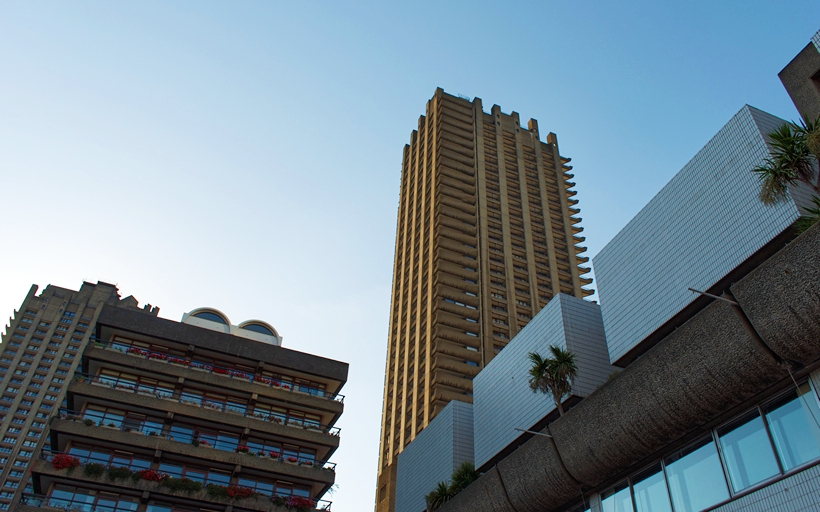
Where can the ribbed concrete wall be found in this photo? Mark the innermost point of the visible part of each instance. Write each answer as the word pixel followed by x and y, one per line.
pixel 433 455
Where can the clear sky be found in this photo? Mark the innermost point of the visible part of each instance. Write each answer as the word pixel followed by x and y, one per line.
pixel 246 155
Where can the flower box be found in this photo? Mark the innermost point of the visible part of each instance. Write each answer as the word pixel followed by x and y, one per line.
pixel 291 460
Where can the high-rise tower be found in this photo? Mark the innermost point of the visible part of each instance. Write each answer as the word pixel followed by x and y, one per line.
pixel 486 236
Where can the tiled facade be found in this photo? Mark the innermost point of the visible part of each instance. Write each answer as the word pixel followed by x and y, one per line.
pixel 701 225
pixel 434 454
pixel 503 399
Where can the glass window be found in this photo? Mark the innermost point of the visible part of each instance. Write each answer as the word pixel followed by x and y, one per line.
pixel 649 488
pixel 207 315
pixel 617 499
pixel 793 424
pixel 696 478
pixel 257 328
pixel 747 452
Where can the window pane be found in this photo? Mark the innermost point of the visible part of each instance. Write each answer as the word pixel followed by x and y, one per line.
pixel 748 453
pixel 616 499
pixel 696 478
pixel 650 491
pixel 793 423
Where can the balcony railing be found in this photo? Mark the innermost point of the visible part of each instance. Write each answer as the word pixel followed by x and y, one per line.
pixel 62 460
pixel 224 371
pixel 131 387
pixel 55 503
pixel 272 454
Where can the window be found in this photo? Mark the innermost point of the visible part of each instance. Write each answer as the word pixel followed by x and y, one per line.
pixel 794 433
pixel 649 489
pixel 24 453
pixel 696 477
pixel 617 499
pixel 747 452
pixel 10 440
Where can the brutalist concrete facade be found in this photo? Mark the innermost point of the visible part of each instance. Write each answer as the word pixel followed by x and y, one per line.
pixel 716 367
pixel 203 406
pixel 503 400
pixel 703 224
pixel 487 233
pixel 38 355
pixel 801 78
pixel 434 454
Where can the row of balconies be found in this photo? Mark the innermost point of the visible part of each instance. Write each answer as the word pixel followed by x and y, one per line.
pixel 86 388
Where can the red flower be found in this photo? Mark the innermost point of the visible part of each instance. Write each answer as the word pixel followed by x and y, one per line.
pixel 274 455
pixel 234 491
pixel 242 449
pixel 63 461
pixel 152 475
pixel 291 459
pixel 299 502
pixel 220 371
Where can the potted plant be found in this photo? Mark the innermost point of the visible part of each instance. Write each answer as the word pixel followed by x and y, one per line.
pixel 291 460
pixel 63 461
pixel 273 455
pixel 205 444
pixel 242 449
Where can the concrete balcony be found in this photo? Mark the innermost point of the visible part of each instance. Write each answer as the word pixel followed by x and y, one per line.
pixel 64 430
pixel 124 398
pixel 95 354
pixel 44 475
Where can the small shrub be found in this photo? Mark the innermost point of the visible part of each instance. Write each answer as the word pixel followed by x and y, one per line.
pixel 88 422
pixel 181 484
pixel 279 500
pixel 217 491
pixel 120 473
pixel 93 470
pixel 195 442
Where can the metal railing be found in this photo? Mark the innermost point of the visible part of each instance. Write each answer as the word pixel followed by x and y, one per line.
pixel 50 502
pixel 49 455
pixel 218 370
pixel 129 386
pixel 147 430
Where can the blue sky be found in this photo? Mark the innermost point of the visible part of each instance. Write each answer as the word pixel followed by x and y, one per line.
pixel 246 155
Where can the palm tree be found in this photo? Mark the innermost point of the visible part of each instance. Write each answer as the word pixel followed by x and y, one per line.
pixel 462 477
pixel 811 218
pixel 553 375
pixel 438 496
pixel 795 152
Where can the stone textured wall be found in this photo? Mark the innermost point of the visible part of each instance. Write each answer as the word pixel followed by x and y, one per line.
pixel 433 455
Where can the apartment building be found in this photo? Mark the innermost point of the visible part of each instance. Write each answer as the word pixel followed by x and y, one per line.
pixel 199 415
pixel 487 234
